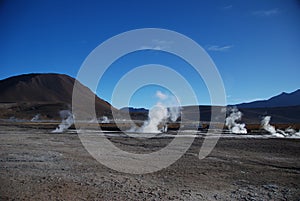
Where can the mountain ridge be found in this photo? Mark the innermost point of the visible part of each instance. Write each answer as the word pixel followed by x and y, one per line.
pixel 281 100
pixel 24 96
pixel 47 91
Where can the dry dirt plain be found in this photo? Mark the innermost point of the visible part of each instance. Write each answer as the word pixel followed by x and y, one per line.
pixel 36 164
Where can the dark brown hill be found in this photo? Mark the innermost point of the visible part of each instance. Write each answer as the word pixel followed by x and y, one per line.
pixel 43 93
pixel 37 88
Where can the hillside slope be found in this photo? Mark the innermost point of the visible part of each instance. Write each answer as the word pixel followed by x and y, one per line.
pixel 26 95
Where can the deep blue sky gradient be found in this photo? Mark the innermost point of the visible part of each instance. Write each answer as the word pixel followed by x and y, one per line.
pixel 260 40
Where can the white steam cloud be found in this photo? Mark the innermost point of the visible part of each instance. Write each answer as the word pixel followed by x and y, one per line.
pixel 288 132
pixel 36 118
pixel 157 114
pixel 67 121
pixel 265 124
pixel 231 122
pixel 104 120
pixel 167 108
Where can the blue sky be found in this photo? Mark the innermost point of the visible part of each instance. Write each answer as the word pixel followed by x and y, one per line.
pixel 254 44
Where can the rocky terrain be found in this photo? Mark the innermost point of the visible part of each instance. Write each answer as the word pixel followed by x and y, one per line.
pixel 36 164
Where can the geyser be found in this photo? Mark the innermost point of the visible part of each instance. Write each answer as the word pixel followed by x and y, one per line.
pixel 104 120
pixel 265 124
pixel 288 132
pixel 233 126
pixel 165 110
pixel 157 114
pixel 67 121
pixel 35 118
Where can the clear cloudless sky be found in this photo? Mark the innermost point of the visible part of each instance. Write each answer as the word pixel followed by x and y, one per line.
pixel 254 44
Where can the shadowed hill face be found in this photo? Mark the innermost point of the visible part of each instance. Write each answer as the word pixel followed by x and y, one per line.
pixel 37 88
pixel 47 89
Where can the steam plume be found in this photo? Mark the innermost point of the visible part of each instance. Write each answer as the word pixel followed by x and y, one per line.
pixel 288 132
pixel 231 123
pixel 166 109
pixel 36 118
pixel 157 114
pixel 104 119
pixel 67 121
pixel 265 124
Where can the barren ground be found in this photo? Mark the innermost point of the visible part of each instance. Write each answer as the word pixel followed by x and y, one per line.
pixel 38 165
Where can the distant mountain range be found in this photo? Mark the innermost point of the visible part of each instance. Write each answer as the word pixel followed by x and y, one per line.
pixel 283 108
pixel 132 109
pixel 136 113
pixel 281 100
pixel 24 96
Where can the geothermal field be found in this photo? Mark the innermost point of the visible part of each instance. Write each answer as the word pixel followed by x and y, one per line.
pixel 47 161
pixel 149 100
pixel 170 152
